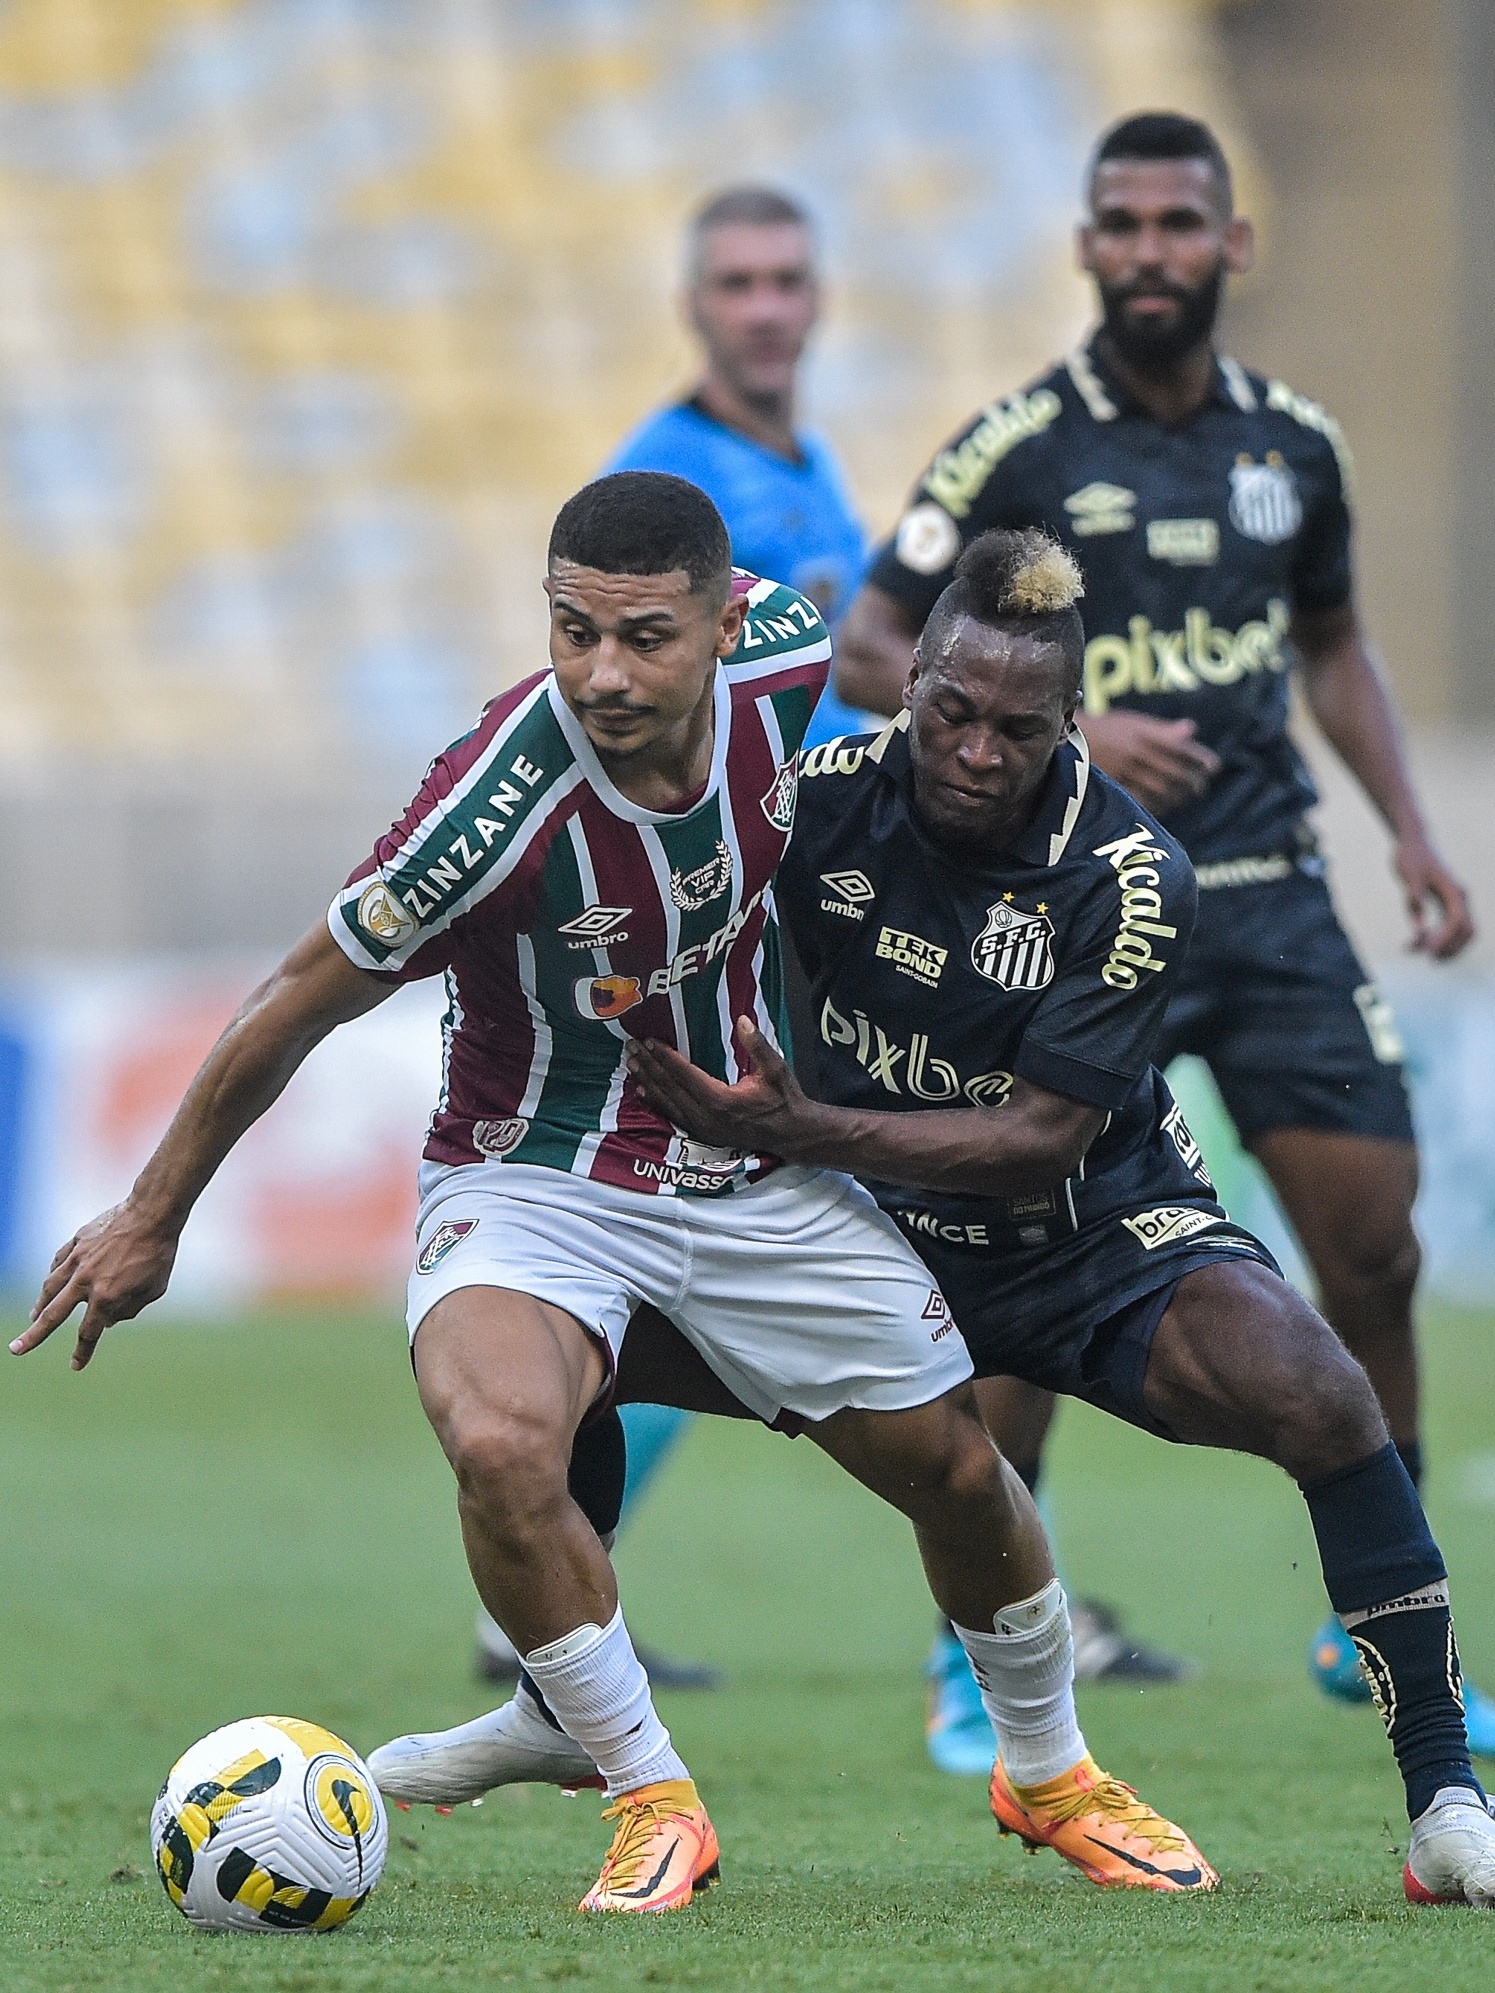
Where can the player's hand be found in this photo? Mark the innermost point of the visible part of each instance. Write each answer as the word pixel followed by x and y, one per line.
pixel 1162 762
pixel 116 1265
pixel 1442 923
pixel 766 1110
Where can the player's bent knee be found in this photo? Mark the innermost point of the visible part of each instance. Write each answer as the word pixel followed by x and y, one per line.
pixel 1382 1259
pixel 1329 1416
pixel 509 1463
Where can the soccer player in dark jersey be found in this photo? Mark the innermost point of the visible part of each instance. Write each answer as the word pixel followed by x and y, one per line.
pixel 1209 509
pixel 601 846
pixel 993 931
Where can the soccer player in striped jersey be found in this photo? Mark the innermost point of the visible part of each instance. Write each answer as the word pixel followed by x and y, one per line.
pixel 595 861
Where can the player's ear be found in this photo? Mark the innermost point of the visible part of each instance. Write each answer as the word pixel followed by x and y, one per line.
pixel 1084 247
pixel 733 616
pixel 915 673
pixel 1240 245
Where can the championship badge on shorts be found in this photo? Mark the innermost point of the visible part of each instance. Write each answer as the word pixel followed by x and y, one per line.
pixel 1013 949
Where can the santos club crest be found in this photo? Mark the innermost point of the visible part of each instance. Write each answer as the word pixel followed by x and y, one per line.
pixel 1264 501
pixel 1013 948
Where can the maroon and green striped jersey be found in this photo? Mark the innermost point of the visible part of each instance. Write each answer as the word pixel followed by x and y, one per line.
pixel 567 919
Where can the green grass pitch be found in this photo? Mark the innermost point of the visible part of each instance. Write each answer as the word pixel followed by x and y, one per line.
pixel 213 1523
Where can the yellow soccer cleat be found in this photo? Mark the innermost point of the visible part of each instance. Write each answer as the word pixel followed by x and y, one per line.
pixel 664 1851
pixel 1101 1826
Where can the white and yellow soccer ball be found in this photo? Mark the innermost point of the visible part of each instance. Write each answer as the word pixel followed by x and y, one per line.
pixel 269 1825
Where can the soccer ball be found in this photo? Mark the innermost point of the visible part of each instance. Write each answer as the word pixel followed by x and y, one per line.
pixel 269 1825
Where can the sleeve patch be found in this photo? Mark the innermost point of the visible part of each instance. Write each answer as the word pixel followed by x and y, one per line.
pixel 928 538
pixel 957 475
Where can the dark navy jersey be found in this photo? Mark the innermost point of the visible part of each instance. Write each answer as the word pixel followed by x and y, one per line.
pixel 1197 544
pixel 936 981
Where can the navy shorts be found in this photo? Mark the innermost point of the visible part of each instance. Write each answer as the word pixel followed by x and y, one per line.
pixel 1275 1001
pixel 1079 1317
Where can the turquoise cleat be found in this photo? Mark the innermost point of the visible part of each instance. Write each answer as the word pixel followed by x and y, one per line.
pixel 958 1731
pixel 1335 1666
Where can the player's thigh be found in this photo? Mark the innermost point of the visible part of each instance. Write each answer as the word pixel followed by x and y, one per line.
pixel 1239 1359
pixel 1018 1415
pixel 919 1460
pixel 503 1375
pixel 1350 1200
pixel 658 1366
pixel 803 1297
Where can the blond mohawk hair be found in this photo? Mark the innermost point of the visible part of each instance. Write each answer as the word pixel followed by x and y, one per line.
pixel 1044 578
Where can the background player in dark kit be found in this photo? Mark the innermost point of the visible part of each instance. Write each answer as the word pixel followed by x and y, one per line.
pixel 1209 508
pixel 991 929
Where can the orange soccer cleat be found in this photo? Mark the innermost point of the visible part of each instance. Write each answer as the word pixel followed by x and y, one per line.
pixel 664 1851
pixel 1101 1826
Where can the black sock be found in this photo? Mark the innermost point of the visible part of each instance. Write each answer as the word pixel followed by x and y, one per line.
pixel 1386 1580
pixel 1411 1458
pixel 599 1467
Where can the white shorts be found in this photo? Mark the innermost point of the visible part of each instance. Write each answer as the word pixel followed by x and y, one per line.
pixel 797 1291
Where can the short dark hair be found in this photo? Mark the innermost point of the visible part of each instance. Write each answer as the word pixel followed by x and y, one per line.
pixel 1022 581
pixel 758 206
pixel 1163 135
pixel 644 522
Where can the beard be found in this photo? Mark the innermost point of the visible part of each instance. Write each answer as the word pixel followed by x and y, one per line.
pixel 1148 345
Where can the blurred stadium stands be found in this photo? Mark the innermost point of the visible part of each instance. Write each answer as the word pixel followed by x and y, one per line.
pixel 312 311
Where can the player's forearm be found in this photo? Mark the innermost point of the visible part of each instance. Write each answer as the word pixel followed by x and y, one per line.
pixel 1353 706
pixel 981 1152
pixel 874 650
pixel 313 990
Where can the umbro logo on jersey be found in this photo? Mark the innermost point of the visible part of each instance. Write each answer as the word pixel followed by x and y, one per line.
pixel 690 891
pixel 852 889
pixel 1101 508
pixel 1264 501
pixel 778 804
pixel 1014 948
pixel 596 927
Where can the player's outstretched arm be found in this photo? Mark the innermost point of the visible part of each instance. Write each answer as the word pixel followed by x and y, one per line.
pixel 1353 705
pixel 122 1261
pixel 874 651
pixel 1035 1139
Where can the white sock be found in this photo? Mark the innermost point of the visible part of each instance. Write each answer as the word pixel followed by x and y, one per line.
pixel 599 1694
pixel 1026 1671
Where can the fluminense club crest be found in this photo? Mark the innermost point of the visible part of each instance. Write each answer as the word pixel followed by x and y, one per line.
pixel 778 804
pixel 1014 948
pixel 1264 501
pixel 691 891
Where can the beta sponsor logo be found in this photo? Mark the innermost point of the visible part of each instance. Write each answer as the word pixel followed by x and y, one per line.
pixel 912 1066
pixel 912 955
pixel 498 1138
pixel 1201 654
pixel 691 961
pixel 691 891
pixel 778 804
pixel 596 927
pixel 852 889
pixel 449 1233
pixel 607 997
pixel 1157 1228
pixel 924 1225
pixel 1101 508
pixel 380 914
pixel 1135 859
pixel 1184 542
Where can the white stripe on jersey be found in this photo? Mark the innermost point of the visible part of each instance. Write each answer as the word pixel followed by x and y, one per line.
pixel 770 667
pixel 733 843
pixel 659 865
pixel 587 875
pixel 607 1123
pixel 1072 808
pixel 539 1065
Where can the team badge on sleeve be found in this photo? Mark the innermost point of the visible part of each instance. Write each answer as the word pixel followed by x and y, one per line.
pixel 1014 948
pixel 928 538
pixel 1264 501
pixel 381 914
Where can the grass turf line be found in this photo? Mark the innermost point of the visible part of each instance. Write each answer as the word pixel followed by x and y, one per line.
pixel 213 1523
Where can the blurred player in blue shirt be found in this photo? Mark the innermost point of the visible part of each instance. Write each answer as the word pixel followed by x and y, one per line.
pixel 752 298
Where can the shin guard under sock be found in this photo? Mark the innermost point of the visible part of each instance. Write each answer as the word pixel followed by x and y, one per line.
pixel 1386 1580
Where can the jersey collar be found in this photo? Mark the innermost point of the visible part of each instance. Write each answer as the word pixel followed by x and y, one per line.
pixel 1046 838
pixel 1106 399
pixel 597 776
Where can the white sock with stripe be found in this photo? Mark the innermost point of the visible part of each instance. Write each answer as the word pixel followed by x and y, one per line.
pixel 1025 1668
pixel 598 1692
